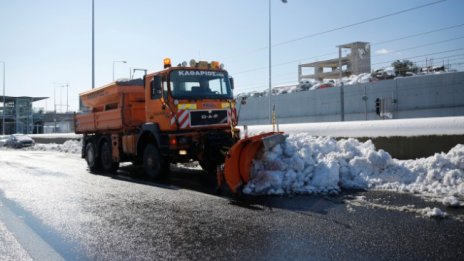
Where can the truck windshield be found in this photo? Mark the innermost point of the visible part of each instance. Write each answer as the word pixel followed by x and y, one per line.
pixel 200 84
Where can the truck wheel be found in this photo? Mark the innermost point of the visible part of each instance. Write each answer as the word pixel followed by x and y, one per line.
pixel 208 166
pixel 91 157
pixel 153 162
pixel 106 158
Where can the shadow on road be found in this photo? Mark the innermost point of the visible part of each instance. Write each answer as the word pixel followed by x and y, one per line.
pixel 200 181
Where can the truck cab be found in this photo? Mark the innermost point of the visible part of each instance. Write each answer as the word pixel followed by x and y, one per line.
pixel 193 108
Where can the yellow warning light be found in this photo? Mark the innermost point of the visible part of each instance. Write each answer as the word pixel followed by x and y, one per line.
pixel 215 65
pixel 167 62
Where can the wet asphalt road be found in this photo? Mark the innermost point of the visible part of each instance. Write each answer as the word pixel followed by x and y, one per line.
pixel 83 216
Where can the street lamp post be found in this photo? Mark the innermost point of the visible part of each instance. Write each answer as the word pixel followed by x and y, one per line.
pixel 342 93
pixel 117 62
pixel 67 104
pixel 3 121
pixel 93 44
pixel 67 96
pixel 61 85
pixel 270 65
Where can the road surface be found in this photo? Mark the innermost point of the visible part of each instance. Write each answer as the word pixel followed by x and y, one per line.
pixel 52 208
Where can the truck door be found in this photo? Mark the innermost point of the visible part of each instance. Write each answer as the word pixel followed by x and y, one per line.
pixel 156 106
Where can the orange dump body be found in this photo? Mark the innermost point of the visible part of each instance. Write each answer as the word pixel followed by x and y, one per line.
pixel 112 107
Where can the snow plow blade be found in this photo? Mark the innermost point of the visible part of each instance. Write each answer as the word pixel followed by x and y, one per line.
pixel 237 165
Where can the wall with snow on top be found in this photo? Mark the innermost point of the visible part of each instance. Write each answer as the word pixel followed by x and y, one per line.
pixel 437 95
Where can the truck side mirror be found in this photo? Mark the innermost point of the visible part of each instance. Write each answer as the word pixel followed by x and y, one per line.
pixel 156 90
pixel 231 80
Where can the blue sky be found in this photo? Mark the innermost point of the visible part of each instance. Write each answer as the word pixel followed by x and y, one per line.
pixel 48 43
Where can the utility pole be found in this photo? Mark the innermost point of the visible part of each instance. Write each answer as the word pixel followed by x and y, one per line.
pixel 3 123
pixel 270 63
pixel 93 44
pixel 342 93
pixel 67 101
pixel 117 62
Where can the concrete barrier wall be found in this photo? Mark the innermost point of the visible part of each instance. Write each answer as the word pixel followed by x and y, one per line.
pixel 419 96
pixel 416 147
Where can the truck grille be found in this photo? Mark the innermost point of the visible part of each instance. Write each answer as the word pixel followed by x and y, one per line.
pixel 208 117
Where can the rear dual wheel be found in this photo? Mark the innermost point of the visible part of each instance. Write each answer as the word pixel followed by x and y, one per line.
pixel 107 162
pixel 93 161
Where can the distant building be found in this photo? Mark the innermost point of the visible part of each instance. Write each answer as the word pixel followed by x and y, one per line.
pixel 18 115
pixel 357 61
pixel 58 122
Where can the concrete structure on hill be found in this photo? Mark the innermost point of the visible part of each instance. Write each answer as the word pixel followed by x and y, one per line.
pixel 357 61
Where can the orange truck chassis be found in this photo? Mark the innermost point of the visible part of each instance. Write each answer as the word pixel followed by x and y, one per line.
pixel 179 114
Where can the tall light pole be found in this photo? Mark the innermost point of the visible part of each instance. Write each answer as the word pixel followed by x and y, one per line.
pixel 61 85
pixel 117 62
pixel 93 44
pixel 270 64
pixel 67 100
pixel 3 122
pixel 342 93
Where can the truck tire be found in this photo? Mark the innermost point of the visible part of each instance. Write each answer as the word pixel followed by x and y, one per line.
pixel 153 163
pixel 93 161
pixel 208 166
pixel 106 158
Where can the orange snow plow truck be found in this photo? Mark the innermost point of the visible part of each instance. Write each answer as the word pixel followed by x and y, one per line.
pixel 179 114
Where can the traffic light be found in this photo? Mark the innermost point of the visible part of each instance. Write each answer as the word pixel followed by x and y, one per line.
pixel 377 106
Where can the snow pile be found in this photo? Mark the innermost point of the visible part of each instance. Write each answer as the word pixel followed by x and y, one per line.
pixel 306 164
pixel 433 213
pixel 56 135
pixel 450 201
pixel 69 146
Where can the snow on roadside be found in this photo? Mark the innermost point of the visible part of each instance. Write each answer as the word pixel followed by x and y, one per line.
pixel 424 212
pixel 69 146
pixel 307 164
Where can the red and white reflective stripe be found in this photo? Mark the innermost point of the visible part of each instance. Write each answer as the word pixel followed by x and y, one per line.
pixel 182 118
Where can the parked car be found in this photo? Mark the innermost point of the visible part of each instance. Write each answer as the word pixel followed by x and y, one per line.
pixel 2 140
pixel 19 141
